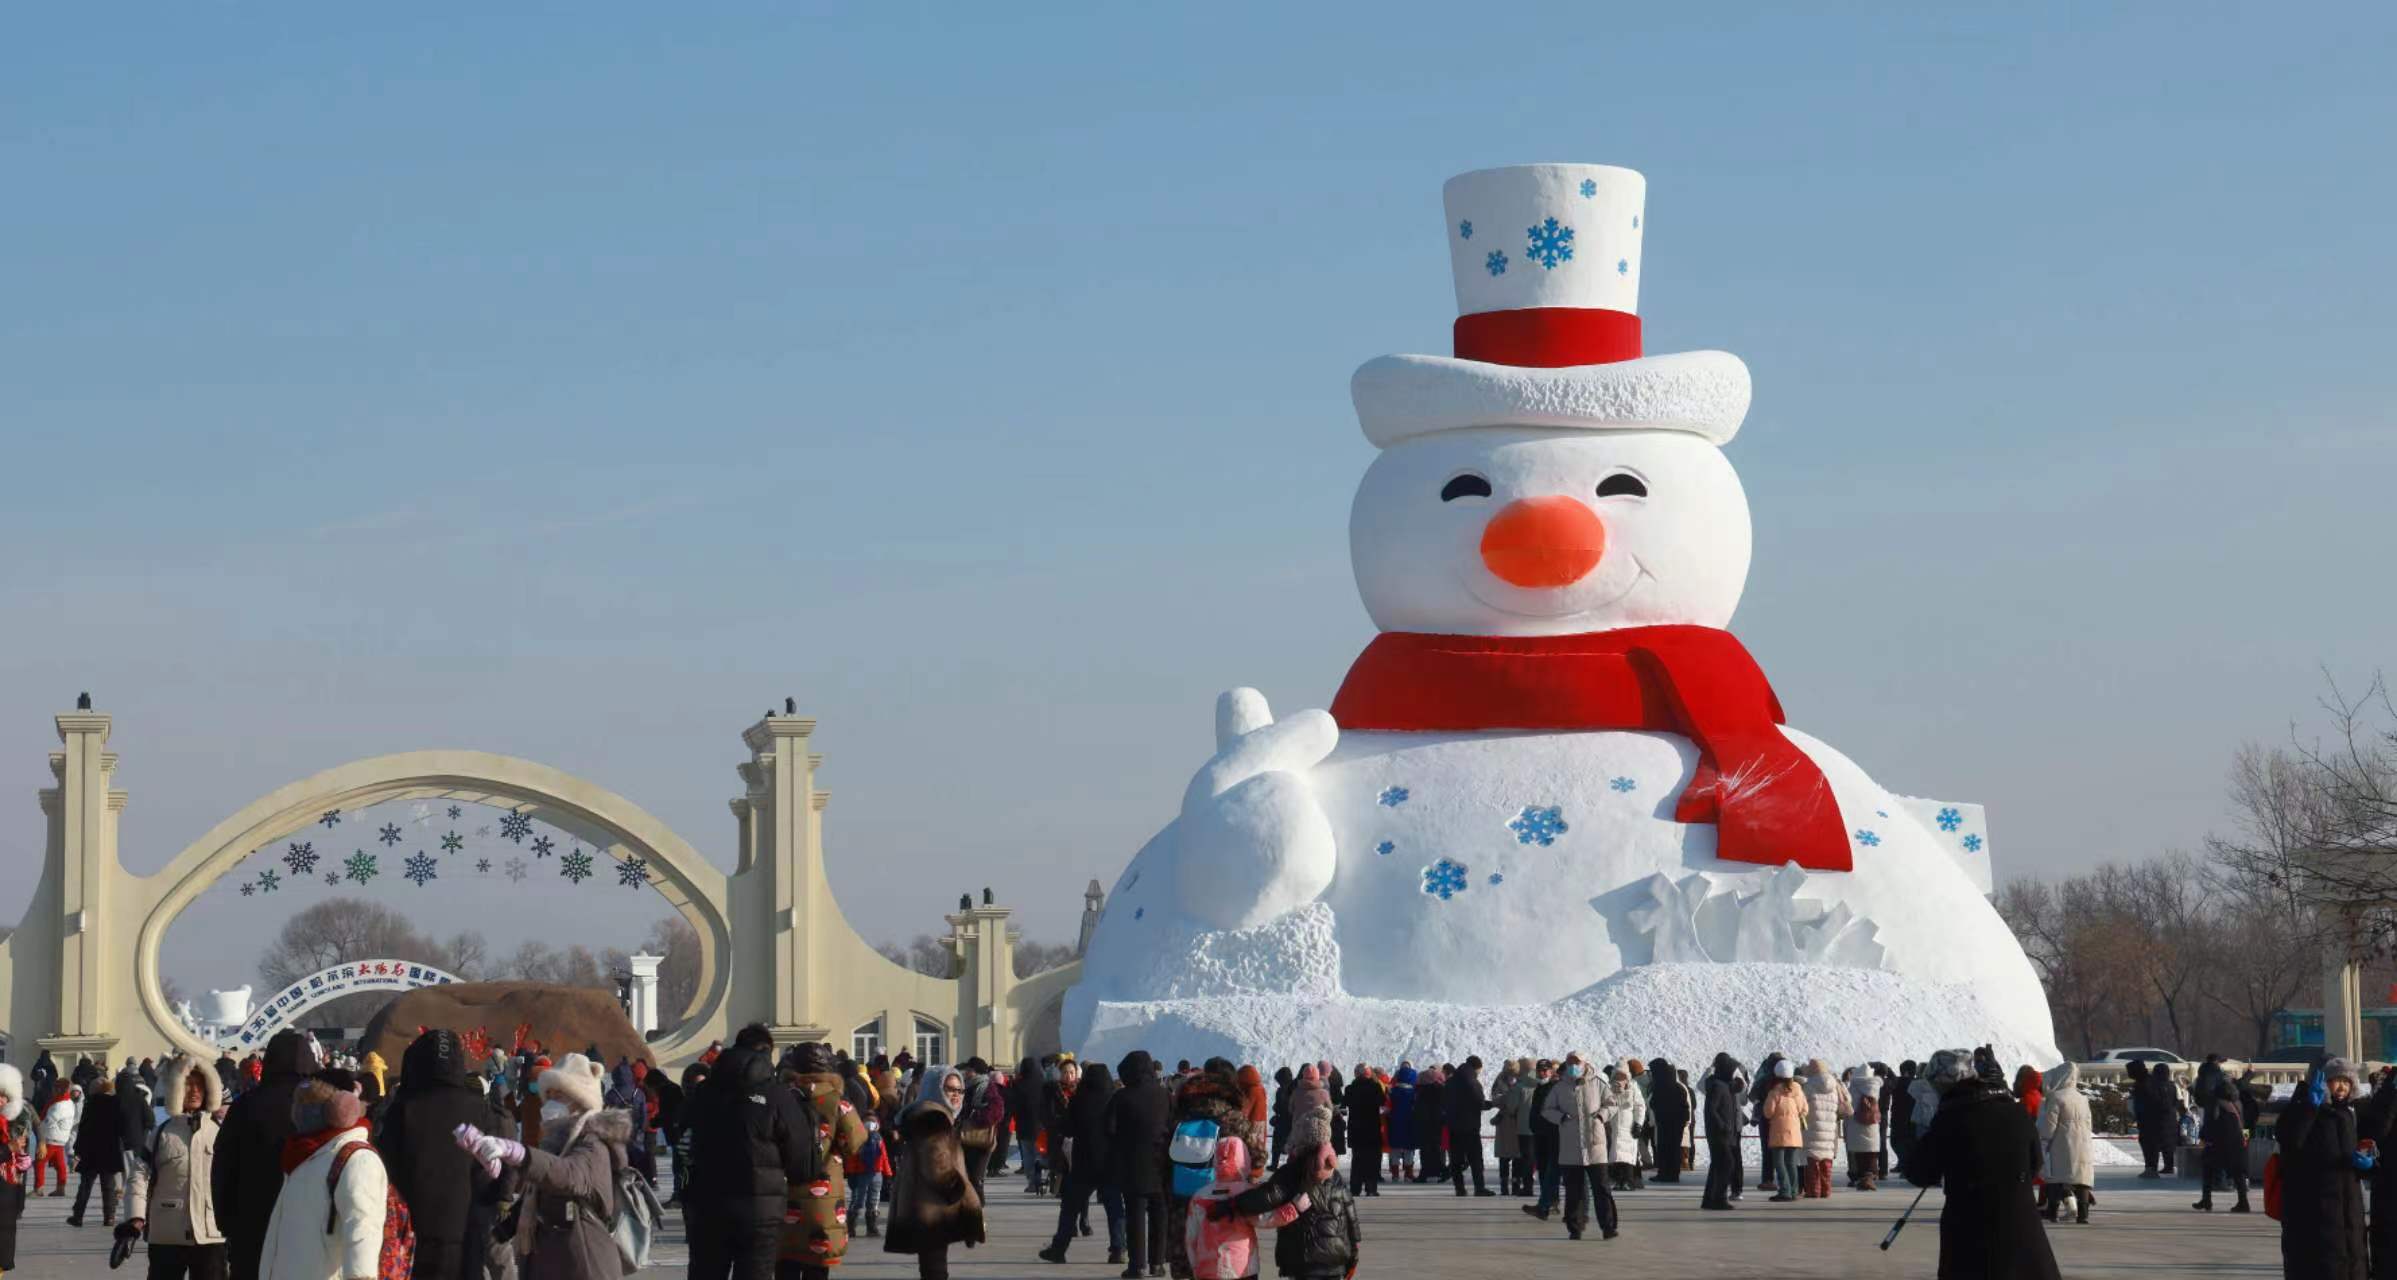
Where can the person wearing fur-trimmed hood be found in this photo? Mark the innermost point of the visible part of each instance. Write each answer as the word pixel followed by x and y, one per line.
pixel 933 1201
pixel 814 1236
pixel 570 1179
pixel 16 1146
pixel 169 1200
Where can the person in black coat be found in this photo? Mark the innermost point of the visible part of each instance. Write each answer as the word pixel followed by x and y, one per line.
pixel 248 1173
pixel 1139 1124
pixel 1078 1148
pixel 1466 1101
pixel 1431 1124
pixel 133 1108
pixel 99 1151
pixel 1765 1181
pixel 1363 1101
pixel 1669 1111
pixel 750 1140
pixel 1983 1150
pixel 1025 1097
pixel 2321 1194
pixel 1897 1112
pixel 1724 1110
pixel 2223 1136
pixel 1283 1083
pixel 1545 1143
pixel 435 1176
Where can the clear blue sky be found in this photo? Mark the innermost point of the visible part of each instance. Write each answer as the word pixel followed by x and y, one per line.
pixel 575 382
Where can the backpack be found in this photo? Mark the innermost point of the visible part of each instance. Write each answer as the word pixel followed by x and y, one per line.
pixel 638 1214
pixel 397 1260
pixel 2272 1186
pixel 1868 1111
pixel 1192 1151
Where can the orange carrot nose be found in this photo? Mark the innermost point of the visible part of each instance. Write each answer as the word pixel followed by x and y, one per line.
pixel 1543 542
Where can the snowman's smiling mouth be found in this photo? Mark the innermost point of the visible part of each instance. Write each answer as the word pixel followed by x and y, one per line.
pixel 1568 601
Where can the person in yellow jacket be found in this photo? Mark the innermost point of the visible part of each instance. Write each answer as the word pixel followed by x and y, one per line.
pixel 376 1067
pixel 814 1236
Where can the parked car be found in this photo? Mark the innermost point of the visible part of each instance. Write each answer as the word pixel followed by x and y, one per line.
pixel 2124 1057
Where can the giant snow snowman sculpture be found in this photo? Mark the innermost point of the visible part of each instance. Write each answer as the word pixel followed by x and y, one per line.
pixel 1553 806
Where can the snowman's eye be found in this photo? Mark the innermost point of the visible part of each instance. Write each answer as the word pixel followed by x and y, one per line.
pixel 1467 485
pixel 1622 484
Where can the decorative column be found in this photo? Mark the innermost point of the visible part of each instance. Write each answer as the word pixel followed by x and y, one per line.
pixel 83 845
pixel 1094 901
pixel 780 890
pixel 985 949
pixel 644 1002
pixel 2342 991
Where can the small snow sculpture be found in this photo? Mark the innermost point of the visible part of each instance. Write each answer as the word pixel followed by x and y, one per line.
pixel 1769 921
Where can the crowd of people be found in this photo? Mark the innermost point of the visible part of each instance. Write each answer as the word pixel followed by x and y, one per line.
pixel 297 1165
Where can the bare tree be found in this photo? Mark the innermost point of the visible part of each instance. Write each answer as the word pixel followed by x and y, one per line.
pixel 678 975
pixel 2317 821
pixel 1040 957
pixel 925 954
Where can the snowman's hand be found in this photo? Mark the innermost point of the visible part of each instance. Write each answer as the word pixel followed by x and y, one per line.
pixel 1249 742
pixel 1254 842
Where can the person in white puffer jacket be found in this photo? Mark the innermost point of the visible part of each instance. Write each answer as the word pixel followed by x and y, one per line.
pixel 1827 1107
pixel 1624 1111
pixel 58 1134
pixel 327 1118
pixel 1863 1128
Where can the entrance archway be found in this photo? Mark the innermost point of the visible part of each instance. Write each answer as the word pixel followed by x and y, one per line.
pixel 282 1008
pixel 599 818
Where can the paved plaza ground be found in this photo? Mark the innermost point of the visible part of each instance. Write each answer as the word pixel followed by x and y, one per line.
pixel 2139 1229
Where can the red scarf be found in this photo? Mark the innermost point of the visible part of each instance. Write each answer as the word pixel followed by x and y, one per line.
pixel 299 1146
pixel 1698 682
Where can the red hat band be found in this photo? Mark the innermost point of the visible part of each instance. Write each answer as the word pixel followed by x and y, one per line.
pixel 1548 337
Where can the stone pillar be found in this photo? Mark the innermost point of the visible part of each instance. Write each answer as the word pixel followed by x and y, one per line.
pixel 84 841
pixel 644 1011
pixel 1094 901
pixel 2342 1004
pixel 985 949
pixel 780 893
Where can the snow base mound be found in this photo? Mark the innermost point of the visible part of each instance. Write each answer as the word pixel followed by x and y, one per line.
pixel 1685 1013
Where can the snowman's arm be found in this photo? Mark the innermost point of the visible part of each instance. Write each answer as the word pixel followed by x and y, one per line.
pixel 1253 842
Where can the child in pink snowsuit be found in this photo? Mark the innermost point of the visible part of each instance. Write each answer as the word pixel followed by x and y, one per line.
pixel 1226 1248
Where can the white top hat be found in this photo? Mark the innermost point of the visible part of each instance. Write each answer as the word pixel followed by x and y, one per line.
pixel 1547 265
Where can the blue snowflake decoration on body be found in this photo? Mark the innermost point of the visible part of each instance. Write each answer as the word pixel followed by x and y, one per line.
pixel 1622 266
pixel 1444 879
pixel 421 868
pixel 1497 877
pixel 1138 912
pixel 361 866
pixel 1867 838
pixel 456 813
pixel 543 846
pixel 1465 229
pixel 1972 844
pixel 1950 820
pixel 515 826
pixel 248 889
pixel 482 866
pixel 1392 797
pixel 1385 848
pixel 1496 262
pixel 329 819
pixel 391 833
pixel 1589 187
pixel 268 881
pixel 632 873
pixel 1550 244
pixel 301 857
pixel 452 842
pixel 516 870
pixel 1622 785
pixel 1538 826
pixel 575 866
pixel 333 877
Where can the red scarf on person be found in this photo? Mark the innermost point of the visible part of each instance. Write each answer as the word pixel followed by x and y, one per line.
pixel 1768 801
pixel 299 1146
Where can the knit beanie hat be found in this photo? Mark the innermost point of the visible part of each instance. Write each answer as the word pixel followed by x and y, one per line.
pixel 577 1082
